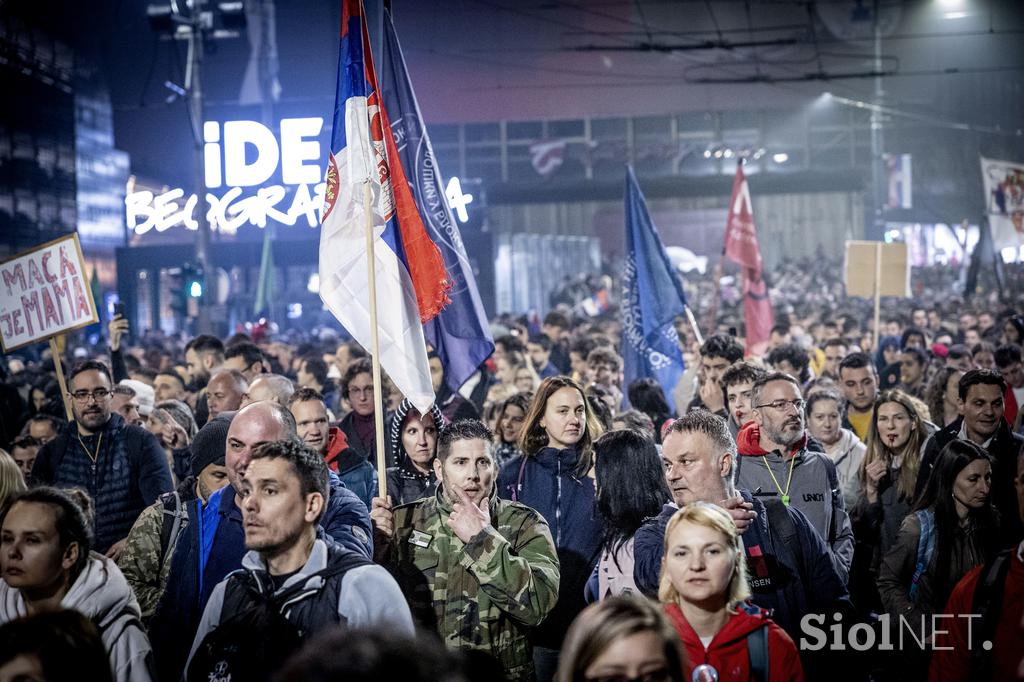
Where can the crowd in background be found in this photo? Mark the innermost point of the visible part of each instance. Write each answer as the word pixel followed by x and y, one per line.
pixel 212 507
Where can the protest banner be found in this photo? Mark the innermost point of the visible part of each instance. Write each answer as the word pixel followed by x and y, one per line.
pixel 1004 201
pixel 876 269
pixel 44 292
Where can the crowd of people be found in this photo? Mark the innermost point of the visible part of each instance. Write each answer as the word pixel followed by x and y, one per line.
pixel 211 508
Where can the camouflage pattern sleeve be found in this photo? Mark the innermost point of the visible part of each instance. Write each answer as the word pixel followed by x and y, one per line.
pixel 140 561
pixel 521 578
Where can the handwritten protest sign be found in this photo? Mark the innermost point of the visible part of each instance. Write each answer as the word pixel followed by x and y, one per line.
pixel 44 292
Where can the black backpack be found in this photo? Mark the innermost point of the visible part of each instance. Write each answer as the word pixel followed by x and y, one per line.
pixel 254 642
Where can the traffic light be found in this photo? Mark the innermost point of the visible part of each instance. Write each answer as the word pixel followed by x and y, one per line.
pixel 193 282
pixel 177 289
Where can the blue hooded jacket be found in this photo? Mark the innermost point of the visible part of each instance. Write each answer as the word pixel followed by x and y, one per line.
pixel 545 482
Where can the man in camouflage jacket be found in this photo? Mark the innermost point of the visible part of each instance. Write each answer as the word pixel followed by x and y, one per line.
pixel 478 570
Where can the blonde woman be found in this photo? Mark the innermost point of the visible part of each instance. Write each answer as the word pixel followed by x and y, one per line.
pixel 12 481
pixel 704 590
pixel 621 638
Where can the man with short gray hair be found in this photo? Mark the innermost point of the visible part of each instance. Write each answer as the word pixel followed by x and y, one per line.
pixel 789 566
pixel 271 387
pixel 774 460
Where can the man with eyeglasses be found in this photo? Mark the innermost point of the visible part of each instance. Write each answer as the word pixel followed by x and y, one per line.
pixel 120 465
pixel 775 460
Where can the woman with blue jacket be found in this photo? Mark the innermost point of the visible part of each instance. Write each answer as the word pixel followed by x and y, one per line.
pixel 555 477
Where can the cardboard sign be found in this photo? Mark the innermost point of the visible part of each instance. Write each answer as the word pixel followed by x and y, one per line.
pixel 44 292
pixel 862 269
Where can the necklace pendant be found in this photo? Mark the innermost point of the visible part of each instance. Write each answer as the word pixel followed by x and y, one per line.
pixel 785 500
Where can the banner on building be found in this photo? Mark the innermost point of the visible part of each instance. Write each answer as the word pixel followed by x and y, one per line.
pixel 1004 201
pixel 44 292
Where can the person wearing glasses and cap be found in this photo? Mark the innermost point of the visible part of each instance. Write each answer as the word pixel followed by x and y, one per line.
pixel 775 460
pixel 120 465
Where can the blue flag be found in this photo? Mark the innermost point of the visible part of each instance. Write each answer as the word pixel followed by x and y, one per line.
pixel 652 297
pixel 460 333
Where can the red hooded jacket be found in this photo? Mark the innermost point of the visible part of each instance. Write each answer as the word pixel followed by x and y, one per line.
pixel 727 652
pixel 337 443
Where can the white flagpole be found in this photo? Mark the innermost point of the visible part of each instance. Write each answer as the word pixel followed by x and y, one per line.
pixel 378 391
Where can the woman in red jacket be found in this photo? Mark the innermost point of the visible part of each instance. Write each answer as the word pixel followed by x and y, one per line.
pixel 704 588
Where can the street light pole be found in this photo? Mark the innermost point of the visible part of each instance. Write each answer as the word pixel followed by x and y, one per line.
pixel 877 141
pixel 195 91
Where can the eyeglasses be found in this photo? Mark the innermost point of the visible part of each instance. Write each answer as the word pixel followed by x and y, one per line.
pixel 782 405
pixel 98 395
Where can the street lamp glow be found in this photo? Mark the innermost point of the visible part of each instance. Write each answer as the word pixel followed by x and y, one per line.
pixel 781 157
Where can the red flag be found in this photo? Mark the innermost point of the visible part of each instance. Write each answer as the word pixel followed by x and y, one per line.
pixel 741 247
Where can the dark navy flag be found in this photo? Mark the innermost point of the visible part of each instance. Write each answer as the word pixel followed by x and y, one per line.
pixel 652 297
pixel 460 333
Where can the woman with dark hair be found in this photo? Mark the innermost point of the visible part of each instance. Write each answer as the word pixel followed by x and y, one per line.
pixel 954 528
pixel 956 507
pixel 887 362
pixel 46 565
pixel 56 646
pixel 647 396
pixel 622 638
pixel 631 488
pixel 942 395
pixel 414 446
pixel 554 476
pixel 1013 330
pixel 508 427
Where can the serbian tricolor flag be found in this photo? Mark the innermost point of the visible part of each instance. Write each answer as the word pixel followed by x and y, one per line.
pixel 742 248
pixel 412 284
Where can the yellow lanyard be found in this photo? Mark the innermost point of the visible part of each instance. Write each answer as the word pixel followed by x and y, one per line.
pixel 789 481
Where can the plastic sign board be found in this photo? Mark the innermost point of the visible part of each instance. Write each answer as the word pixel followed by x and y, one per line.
pixel 44 292
pixel 862 268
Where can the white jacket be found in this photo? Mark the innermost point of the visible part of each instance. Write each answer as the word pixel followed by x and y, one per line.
pixel 102 594
pixel 848 455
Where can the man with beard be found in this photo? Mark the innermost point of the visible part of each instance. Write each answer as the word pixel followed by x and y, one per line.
pixel 203 356
pixel 774 460
pixel 121 466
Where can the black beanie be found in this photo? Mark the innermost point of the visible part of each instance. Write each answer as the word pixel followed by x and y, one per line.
pixel 210 443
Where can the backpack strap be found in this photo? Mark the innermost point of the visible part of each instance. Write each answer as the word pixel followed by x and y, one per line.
pixel 925 548
pixel 784 531
pixel 987 603
pixel 339 564
pixel 757 653
pixel 757 647
pixel 171 522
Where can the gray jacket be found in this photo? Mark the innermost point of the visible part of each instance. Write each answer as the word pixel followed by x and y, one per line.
pixel 814 490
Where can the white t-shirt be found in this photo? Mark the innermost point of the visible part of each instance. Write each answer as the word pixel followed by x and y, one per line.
pixel 706 641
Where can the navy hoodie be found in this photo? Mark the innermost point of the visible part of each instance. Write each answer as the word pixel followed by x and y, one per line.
pixel 545 482
pixel 777 580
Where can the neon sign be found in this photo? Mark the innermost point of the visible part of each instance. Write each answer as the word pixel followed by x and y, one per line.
pixel 241 155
